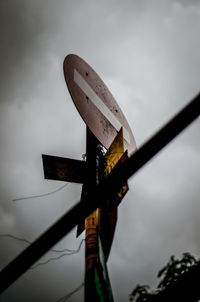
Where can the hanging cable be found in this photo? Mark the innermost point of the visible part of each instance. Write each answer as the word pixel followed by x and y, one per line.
pixel 66 297
pixel 16 238
pixel 70 251
pixel 42 195
pixel 58 257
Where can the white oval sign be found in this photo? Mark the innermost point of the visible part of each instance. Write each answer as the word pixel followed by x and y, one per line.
pixel 95 103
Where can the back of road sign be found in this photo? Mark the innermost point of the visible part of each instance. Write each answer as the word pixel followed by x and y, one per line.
pixel 95 103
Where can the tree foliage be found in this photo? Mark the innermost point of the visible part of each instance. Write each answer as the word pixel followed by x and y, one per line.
pixel 168 274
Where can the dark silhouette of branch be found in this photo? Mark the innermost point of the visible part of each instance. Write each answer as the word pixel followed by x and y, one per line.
pixel 180 282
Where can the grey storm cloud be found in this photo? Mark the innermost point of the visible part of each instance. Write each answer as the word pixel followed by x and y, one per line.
pixel 19 29
pixel 147 53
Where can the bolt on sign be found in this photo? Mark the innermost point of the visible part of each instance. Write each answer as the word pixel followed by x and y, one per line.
pixel 94 92
pixel 104 118
pixel 96 104
pixel 107 126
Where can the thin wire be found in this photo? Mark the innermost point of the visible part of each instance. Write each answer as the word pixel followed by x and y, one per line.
pixel 70 251
pixel 42 195
pixel 16 238
pixel 58 257
pixel 66 297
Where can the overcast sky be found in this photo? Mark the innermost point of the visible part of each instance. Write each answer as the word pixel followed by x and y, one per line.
pixel 147 52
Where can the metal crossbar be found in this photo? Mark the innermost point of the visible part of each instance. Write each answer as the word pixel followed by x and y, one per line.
pixel 108 187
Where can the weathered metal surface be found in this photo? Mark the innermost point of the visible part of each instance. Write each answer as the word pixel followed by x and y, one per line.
pixel 64 169
pixel 95 103
pixel 94 152
pixel 81 224
pixel 116 155
pixel 108 213
pixel 68 221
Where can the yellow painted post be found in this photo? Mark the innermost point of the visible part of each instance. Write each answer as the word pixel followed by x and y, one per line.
pixel 94 154
pixel 91 239
pixel 102 223
pixel 113 156
pixel 108 214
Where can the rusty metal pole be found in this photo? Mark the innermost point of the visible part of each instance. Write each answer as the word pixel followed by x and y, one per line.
pixel 94 153
pixel 129 167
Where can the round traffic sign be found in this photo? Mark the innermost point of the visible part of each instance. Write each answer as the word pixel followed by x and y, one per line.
pixel 95 103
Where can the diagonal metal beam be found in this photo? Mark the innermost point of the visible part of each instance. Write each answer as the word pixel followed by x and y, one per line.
pixel 111 184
